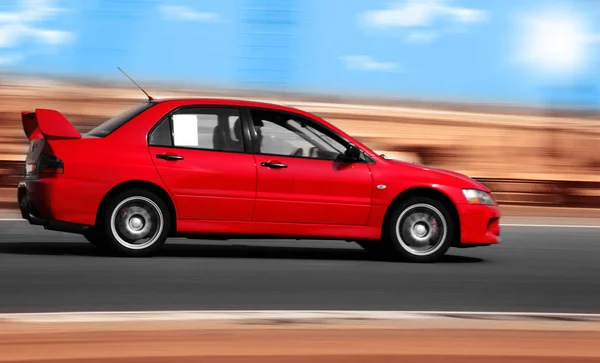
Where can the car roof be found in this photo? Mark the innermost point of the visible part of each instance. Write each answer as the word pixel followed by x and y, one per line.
pixel 228 102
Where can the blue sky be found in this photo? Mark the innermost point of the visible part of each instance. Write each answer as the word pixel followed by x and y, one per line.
pixel 504 50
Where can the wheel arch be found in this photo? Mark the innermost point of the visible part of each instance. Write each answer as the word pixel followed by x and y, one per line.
pixel 428 192
pixel 140 184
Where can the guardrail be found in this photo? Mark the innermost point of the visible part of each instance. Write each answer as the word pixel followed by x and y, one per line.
pixel 10 173
pixel 550 193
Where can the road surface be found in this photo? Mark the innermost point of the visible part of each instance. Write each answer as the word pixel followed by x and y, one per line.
pixel 535 269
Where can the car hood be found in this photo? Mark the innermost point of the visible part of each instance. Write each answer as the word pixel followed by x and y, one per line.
pixel 460 180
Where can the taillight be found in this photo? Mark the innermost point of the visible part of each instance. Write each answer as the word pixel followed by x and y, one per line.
pixel 49 164
pixel 30 168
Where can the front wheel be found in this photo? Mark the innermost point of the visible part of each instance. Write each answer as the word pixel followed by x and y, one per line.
pixel 136 223
pixel 420 230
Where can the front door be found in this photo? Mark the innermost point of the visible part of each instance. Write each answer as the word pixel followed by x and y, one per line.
pixel 199 154
pixel 299 177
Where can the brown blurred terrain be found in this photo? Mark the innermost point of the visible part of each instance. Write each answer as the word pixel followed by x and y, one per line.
pixel 526 156
pixel 424 341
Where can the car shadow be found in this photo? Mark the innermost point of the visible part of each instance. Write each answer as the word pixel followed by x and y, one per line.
pixel 204 250
pixel 285 252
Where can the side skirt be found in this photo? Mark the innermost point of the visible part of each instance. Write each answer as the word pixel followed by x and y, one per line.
pixel 222 230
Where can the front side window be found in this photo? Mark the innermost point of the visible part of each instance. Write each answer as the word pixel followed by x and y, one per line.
pixel 218 129
pixel 286 134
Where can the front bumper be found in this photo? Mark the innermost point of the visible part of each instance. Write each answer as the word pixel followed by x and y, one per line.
pixel 479 224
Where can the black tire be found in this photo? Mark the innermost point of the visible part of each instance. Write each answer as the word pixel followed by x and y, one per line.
pixel 145 211
pixel 409 234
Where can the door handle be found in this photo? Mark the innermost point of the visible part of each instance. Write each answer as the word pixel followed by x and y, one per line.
pixel 271 165
pixel 169 157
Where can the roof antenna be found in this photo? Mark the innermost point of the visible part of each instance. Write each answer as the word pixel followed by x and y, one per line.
pixel 146 93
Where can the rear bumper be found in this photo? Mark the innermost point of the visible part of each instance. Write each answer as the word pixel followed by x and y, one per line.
pixel 36 208
pixel 34 203
pixel 479 225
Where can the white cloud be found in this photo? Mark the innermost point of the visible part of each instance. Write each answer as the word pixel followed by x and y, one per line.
pixel 417 16
pixel 183 13
pixel 366 63
pixel 555 42
pixel 464 15
pixel 422 36
pixel 38 10
pixel 55 37
pixel 20 25
pixel 9 36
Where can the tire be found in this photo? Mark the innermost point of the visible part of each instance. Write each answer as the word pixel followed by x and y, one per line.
pixel 135 223
pixel 420 230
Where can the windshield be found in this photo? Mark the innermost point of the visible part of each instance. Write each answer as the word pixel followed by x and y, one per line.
pixel 114 123
pixel 333 144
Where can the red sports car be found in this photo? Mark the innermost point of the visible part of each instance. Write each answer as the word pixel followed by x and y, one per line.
pixel 226 169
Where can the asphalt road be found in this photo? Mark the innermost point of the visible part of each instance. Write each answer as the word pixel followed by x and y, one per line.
pixel 534 269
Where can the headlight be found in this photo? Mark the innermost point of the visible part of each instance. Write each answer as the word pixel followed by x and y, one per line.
pixel 475 196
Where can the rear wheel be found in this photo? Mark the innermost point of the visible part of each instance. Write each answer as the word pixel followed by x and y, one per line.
pixel 136 223
pixel 420 230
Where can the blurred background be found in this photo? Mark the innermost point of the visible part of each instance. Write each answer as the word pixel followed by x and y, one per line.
pixel 505 91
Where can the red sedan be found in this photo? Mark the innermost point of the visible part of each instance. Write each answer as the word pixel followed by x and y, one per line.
pixel 215 168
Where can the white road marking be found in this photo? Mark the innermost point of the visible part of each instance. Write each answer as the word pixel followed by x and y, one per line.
pixel 524 225
pixel 297 315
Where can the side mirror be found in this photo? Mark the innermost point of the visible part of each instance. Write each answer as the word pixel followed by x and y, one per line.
pixel 352 153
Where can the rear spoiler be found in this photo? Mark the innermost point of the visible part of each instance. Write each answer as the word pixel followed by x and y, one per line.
pixel 48 124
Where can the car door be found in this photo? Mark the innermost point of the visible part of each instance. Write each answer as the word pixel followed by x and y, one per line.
pixel 300 176
pixel 201 156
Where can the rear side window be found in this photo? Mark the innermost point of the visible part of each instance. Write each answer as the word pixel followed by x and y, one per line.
pixel 161 135
pixel 218 129
pixel 107 127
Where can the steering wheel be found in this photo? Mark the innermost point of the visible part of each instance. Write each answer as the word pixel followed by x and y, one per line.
pixel 298 152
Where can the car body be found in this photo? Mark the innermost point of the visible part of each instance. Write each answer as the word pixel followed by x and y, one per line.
pixel 222 168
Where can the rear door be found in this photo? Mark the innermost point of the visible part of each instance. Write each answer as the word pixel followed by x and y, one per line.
pixel 300 179
pixel 201 156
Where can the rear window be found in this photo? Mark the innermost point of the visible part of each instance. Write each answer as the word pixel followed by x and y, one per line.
pixel 114 123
